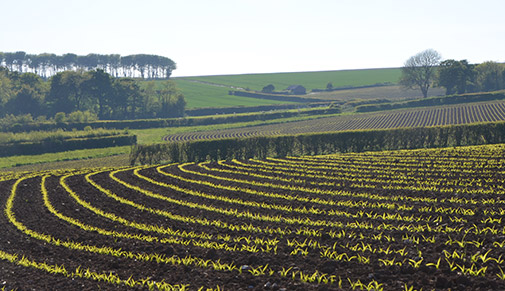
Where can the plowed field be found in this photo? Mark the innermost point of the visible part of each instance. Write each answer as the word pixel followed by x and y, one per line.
pixel 398 220
pixel 405 118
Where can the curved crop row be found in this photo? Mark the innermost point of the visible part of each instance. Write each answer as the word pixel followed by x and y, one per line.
pixel 424 117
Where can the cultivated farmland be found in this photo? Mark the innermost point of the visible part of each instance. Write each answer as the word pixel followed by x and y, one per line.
pixel 419 117
pixel 311 80
pixel 398 220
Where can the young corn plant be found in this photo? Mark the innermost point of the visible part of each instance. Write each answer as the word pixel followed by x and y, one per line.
pixel 410 288
pixel 415 264
pixel 356 284
pixel 260 270
pixel 436 265
pixel 501 275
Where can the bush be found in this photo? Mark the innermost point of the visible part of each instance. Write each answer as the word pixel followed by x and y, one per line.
pixel 81 116
pixel 60 117
pixel 55 144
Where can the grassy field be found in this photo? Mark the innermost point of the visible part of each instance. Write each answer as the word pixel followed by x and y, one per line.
pixel 40 162
pixel 212 91
pixel 310 80
pixel 200 95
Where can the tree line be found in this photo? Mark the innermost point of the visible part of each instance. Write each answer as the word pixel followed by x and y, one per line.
pixel 425 70
pixel 46 65
pixel 94 93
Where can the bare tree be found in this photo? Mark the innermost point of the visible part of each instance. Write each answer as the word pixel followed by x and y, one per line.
pixel 419 70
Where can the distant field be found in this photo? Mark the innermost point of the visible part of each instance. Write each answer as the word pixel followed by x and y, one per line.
pixel 40 162
pixel 385 92
pixel 212 91
pixel 404 118
pixel 310 80
pixel 200 95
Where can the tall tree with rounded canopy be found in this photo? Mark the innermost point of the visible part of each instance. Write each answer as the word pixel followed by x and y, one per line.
pixel 419 70
pixel 490 76
pixel 455 76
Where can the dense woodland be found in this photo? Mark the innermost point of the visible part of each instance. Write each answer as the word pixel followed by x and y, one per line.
pixel 47 65
pixel 81 96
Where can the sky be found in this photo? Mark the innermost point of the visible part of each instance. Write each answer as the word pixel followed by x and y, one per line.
pixel 220 37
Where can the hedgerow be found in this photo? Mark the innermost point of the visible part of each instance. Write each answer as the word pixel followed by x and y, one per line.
pixel 320 143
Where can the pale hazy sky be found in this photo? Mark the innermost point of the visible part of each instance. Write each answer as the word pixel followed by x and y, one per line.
pixel 212 37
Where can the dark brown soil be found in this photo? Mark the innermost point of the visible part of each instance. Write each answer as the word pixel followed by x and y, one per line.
pixel 359 221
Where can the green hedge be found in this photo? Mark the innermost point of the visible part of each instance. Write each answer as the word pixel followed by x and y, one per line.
pixel 434 101
pixel 171 122
pixel 202 111
pixel 320 143
pixel 61 145
pixel 275 96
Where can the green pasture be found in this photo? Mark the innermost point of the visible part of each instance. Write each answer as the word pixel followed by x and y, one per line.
pixel 310 80
pixel 8 162
pixel 200 95
pixel 212 91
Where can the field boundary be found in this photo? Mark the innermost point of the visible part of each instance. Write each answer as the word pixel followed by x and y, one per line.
pixel 320 143
pixel 277 97
pixel 54 146
pixel 434 101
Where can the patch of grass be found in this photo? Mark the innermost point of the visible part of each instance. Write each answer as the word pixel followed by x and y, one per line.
pixel 14 161
pixel 59 134
pixel 200 95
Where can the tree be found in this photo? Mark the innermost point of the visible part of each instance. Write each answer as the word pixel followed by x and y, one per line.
pixel 268 88
pixel 19 60
pixel 98 87
pixel 172 101
pixel 65 93
pixel 455 76
pixel 419 71
pixel 69 60
pixel 26 101
pixel 6 91
pixel 9 60
pixel 127 99
pixel 29 94
pixel 490 76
